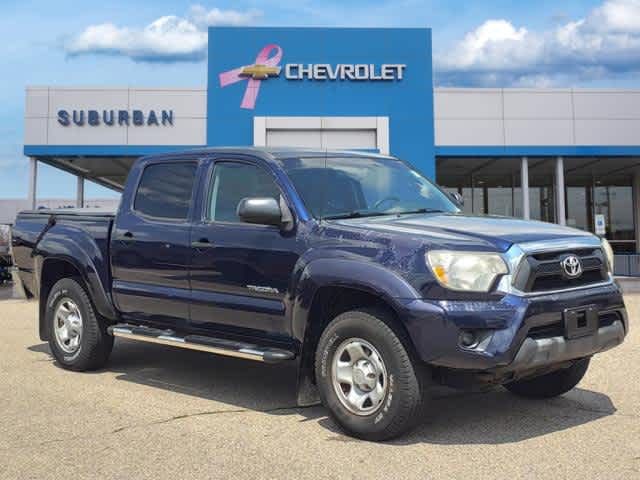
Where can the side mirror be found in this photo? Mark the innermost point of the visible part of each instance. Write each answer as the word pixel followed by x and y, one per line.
pixel 459 199
pixel 260 210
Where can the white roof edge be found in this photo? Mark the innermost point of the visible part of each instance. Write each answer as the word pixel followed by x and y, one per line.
pixel 108 88
pixel 536 90
pixel 437 89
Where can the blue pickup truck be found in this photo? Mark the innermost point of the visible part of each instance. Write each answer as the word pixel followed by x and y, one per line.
pixel 353 266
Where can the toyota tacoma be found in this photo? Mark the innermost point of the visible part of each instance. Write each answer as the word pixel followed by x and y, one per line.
pixel 353 266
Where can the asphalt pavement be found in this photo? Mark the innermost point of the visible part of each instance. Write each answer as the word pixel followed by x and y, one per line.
pixel 156 412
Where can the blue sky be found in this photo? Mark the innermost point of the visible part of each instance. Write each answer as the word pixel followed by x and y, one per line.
pixel 540 43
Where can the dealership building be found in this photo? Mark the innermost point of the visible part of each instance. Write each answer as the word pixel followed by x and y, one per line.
pixel 570 156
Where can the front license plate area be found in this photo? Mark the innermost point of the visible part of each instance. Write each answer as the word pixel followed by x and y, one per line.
pixel 580 322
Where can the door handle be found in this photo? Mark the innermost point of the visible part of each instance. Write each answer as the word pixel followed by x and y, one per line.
pixel 127 239
pixel 202 243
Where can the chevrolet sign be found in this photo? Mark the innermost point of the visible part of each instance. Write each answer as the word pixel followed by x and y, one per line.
pixel 344 71
pixel 267 64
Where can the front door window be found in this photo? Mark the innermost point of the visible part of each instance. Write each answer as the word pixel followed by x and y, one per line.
pixel 234 181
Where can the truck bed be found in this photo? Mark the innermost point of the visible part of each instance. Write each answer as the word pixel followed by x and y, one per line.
pixel 36 233
pixel 75 212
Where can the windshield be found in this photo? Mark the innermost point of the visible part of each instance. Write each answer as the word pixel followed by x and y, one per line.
pixel 349 187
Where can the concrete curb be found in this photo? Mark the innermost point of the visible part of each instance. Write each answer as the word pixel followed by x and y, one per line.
pixel 629 284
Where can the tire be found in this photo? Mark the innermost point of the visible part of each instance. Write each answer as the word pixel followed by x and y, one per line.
pixel 552 384
pixel 401 400
pixel 93 344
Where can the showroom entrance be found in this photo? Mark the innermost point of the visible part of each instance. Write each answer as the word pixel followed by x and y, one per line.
pixel 590 186
pixel 354 133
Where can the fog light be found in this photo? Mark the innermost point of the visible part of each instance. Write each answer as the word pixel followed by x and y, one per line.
pixel 468 339
pixel 475 340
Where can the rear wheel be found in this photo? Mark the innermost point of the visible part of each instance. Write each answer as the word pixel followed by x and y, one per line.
pixel 78 337
pixel 366 377
pixel 552 384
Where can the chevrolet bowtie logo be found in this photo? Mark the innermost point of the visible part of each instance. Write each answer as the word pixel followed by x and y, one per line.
pixel 264 66
pixel 260 72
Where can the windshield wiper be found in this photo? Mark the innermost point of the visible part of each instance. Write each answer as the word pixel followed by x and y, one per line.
pixel 366 213
pixel 355 214
pixel 421 210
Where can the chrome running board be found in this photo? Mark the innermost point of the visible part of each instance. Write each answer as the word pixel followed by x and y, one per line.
pixel 219 346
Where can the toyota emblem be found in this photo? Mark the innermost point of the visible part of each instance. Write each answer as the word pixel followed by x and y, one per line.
pixel 572 266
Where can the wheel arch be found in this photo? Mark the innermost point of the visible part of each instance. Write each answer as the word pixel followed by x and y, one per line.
pixel 55 268
pixel 328 288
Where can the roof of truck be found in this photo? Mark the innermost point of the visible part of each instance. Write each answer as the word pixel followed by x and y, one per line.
pixel 275 153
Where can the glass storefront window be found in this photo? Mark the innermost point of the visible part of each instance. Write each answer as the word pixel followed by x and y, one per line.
pixel 517 200
pixel 542 205
pixel 578 208
pixel 473 199
pixel 593 186
pixel 602 186
pixel 497 184
pixel 478 201
pixel 467 195
pixel 616 204
pixel 500 201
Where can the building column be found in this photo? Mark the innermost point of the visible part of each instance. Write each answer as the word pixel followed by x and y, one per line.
pixel 80 192
pixel 33 182
pixel 636 207
pixel 524 186
pixel 561 217
pixel 473 194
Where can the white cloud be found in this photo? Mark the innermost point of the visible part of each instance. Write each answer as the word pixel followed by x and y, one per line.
pixel 604 43
pixel 168 39
pixel 204 18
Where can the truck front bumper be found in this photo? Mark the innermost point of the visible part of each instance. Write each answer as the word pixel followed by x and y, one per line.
pixel 536 353
pixel 523 334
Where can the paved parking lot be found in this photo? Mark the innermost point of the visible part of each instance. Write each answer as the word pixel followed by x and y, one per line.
pixel 157 412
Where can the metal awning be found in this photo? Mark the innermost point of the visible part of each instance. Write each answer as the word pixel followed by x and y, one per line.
pixel 110 172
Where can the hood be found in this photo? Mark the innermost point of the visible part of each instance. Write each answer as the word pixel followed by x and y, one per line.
pixel 465 232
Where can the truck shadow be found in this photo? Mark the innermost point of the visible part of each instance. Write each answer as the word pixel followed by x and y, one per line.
pixel 455 418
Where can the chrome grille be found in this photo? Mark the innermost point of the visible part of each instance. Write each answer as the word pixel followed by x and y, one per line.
pixel 540 272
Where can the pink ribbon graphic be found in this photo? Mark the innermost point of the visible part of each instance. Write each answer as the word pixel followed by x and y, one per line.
pixel 253 85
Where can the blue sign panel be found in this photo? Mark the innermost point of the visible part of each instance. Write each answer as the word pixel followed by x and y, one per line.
pixel 318 72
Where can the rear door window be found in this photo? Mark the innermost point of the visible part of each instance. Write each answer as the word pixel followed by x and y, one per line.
pixel 165 190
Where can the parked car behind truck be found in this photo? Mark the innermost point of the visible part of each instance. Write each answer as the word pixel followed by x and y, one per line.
pixel 5 254
pixel 353 266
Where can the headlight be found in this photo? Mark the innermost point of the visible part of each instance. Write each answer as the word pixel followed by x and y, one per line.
pixel 466 271
pixel 608 253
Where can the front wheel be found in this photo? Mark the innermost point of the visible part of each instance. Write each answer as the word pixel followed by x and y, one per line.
pixel 78 337
pixel 552 384
pixel 366 377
